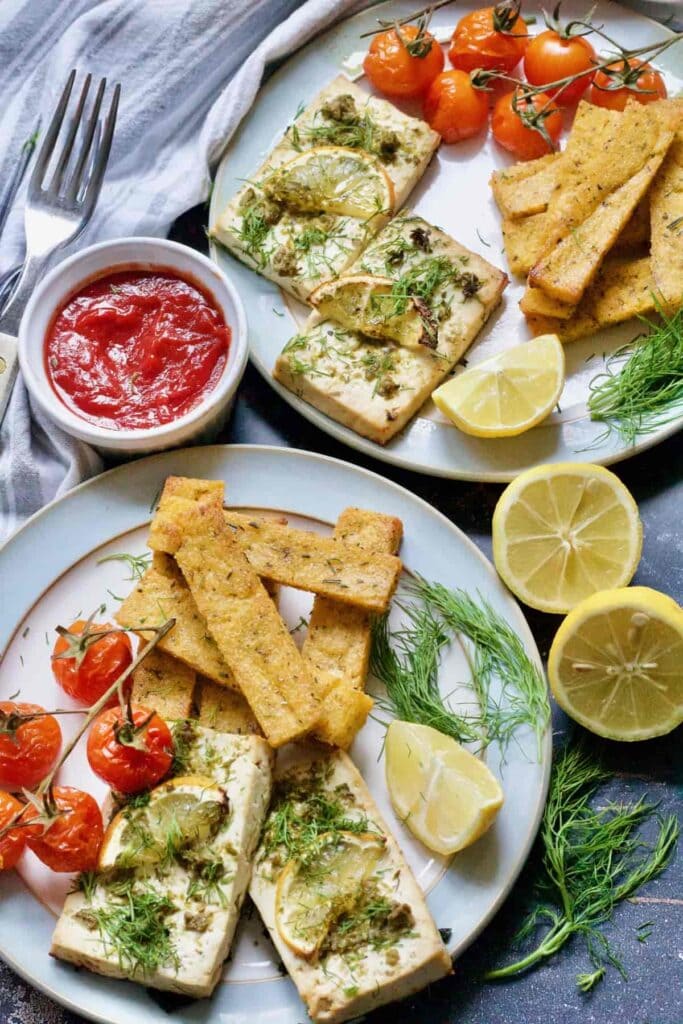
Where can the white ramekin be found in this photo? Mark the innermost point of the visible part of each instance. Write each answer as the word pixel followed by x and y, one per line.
pixel 202 422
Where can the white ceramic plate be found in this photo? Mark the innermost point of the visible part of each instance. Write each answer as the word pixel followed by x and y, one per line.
pixel 454 194
pixel 49 572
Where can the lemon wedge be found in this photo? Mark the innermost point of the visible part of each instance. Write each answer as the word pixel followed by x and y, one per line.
pixel 332 179
pixel 615 664
pixel 446 796
pixel 312 893
pixel 184 812
pixel 507 394
pixel 564 531
pixel 361 302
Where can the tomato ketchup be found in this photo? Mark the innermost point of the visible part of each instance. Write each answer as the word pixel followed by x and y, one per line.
pixel 136 348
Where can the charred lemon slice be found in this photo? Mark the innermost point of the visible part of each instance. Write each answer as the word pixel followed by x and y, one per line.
pixel 361 302
pixel 332 179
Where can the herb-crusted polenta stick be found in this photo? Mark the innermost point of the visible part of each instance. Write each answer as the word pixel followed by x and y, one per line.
pixel 165 685
pixel 252 638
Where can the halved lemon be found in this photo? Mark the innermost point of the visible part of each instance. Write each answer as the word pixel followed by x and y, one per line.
pixel 507 394
pixel 312 893
pixel 616 664
pixel 564 531
pixel 184 812
pixel 332 179
pixel 365 303
pixel 446 796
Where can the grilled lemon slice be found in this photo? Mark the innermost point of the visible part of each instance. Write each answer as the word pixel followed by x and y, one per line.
pixel 332 179
pixel 361 302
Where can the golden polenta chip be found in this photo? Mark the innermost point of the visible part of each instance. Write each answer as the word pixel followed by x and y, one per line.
pixel 223 710
pixel 666 206
pixel 525 188
pixel 165 685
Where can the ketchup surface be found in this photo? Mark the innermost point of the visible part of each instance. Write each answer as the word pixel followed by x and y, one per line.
pixel 136 349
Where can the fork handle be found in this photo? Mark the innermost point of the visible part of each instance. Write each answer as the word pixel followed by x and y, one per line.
pixel 9 366
pixel 31 272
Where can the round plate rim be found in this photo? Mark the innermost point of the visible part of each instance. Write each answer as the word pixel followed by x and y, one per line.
pixel 521 625
pixel 349 437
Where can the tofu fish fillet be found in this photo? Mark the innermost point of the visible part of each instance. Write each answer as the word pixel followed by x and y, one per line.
pixel 199 928
pixel 354 971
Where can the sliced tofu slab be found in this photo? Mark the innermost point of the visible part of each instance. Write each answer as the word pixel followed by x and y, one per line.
pixel 360 965
pixel 375 387
pixel 200 919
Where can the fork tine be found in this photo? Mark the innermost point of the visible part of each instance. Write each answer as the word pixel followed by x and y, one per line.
pixel 58 178
pixel 77 177
pixel 100 165
pixel 51 135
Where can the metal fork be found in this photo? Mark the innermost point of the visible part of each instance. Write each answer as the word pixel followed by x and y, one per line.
pixel 56 212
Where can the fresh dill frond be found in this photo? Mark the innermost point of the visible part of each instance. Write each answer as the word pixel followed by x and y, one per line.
pixel 592 860
pixel 644 392
pixel 137 564
pixel 498 655
pixel 86 883
pixel 136 930
pixel 206 884
pixel 184 738
pixel 407 662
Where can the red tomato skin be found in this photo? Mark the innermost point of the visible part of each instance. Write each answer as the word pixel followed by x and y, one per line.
pixel 616 99
pixel 28 755
pixel 523 142
pixel 127 769
pixel 103 663
pixel 454 108
pixel 549 57
pixel 394 72
pixel 72 841
pixel 476 43
pixel 11 845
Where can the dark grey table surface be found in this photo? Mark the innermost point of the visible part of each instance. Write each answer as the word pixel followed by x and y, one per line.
pixel 548 995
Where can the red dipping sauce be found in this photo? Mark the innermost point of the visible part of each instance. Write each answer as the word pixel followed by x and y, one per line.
pixel 136 349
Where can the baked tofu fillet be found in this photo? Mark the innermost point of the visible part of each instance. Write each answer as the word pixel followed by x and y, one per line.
pixel 295 558
pixel 364 961
pixel 200 919
pixel 376 387
pixel 298 251
pixel 249 633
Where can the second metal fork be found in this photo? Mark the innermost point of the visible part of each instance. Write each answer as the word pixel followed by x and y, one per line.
pixel 57 211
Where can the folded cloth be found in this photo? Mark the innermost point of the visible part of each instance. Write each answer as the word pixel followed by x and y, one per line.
pixel 174 59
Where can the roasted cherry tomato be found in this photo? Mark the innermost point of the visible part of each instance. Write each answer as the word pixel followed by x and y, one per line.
pixel 493 38
pixel 28 746
pixel 614 86
pixel 71 839
pixel 85 664
pixel 12 844
pixel 403 62
pixel 130 757
pixel 454 108
pixel 512 133
pixel 551 56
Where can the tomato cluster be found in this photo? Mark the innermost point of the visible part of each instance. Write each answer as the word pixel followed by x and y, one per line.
pixel 130 747
pixel 407 62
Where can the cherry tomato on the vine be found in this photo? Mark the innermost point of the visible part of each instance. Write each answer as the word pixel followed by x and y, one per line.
pixel 615 85
pixel 493 38
pixel 71 840
pixel 454 108
pixel 551 56
pixel 128 757
pixel 13 842
pixel 86 665
pixel 28 746
pixel 512 133
pixel 403 63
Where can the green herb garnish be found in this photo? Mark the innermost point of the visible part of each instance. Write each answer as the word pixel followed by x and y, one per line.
pixel 136 930
pixel 646 391
pixel 592 860
pixel 137 564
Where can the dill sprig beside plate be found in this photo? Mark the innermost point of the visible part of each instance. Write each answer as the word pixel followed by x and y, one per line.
pixel 646 391
pixel 407 662
pixel 592 860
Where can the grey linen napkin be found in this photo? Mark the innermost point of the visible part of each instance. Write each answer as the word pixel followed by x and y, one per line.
pixel 174 59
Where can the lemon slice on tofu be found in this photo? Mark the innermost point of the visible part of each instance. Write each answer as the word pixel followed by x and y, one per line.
pixel 332 179
pixel 507 394
pixel 446 796
pixel 186 811
pixel 615 664
pixel 564 531
pixel 312 892
pixel 365 303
